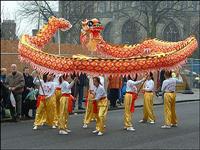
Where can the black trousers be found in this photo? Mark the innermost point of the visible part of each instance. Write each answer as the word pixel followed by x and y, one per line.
pixel 16 112
pixel 113 96
pixel 25 103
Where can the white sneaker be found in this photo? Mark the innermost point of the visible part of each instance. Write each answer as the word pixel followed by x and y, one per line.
pixel 152 122
pixel 142 121
pixel 100 133
pixel 63 132
pixel 53 127
pixel 130 129
pixel 174 125
pixel 95 131
pixel 35 127
pixel 85 126
pixel 165 127
pixel 67 130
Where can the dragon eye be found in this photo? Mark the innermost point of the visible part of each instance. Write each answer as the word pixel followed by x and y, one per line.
pixel 90 23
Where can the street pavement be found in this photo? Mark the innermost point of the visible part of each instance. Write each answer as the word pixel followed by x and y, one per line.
pixel 158 100
pixel 147 136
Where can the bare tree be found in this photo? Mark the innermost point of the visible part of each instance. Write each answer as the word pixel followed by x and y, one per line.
pixel 30 9
pixel 75 12
pixel 154 12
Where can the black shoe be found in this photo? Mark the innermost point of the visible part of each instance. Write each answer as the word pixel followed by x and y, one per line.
pixel 28 117
pixel 14 119
pixel 81 108
pixel 115 107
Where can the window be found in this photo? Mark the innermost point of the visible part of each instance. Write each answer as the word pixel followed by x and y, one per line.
pixel 95 7
pixel 108 6
pixel 184 4
pixel 111 6
pixel 120 4
pixel 169 4
pixel 101 7
pixel 194 5
pixel 129 32
pixel 171 32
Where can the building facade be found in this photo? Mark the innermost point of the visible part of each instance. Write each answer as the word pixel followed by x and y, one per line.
pixel 121 24
pixel 8 30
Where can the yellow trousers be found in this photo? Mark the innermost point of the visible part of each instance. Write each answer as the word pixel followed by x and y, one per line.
pixel 102 114
pixel 58 95
pixel 127 110
pixel 170 108
pixel 148 107
pixel 89 114
pixel 64 114
pixel 45 114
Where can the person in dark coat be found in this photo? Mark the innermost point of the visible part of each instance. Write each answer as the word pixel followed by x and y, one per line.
pixel 29 86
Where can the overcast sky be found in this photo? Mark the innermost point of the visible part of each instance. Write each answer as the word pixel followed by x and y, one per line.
pixel 8 11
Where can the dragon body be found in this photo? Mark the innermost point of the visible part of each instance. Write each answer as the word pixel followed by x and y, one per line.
pixel 92 40
pixel 30 51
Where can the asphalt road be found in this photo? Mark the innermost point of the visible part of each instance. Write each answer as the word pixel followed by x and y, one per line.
pixel 147 136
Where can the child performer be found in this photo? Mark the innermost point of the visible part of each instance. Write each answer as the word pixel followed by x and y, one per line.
pixel 129 102
pixel 66 104
pixel 148 100
pixel 169 88
pixel 101 106
pixel 45 106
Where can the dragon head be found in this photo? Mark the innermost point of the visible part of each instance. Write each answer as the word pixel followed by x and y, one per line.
pixel 93 25
pixel 62 23
pixel 90 33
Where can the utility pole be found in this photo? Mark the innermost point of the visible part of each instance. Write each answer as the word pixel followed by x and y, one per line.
pixel 59 42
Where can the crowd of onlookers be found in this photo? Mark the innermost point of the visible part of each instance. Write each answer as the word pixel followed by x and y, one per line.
pixel 25 93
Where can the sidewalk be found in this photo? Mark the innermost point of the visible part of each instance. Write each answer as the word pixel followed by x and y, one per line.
pixel 139 102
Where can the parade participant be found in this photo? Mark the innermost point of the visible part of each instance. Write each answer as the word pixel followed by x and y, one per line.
pixel 101 107
pixel 57 81
pixel 169 88
pixel 45 102
pixel 89 113
pixel 129 101
pixel 148 100
pixel 66 104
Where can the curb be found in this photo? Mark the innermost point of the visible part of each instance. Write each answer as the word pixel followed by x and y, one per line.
pixel 119 108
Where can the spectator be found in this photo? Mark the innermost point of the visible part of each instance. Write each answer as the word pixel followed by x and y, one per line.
pixel 162 77
pixel 122 91
pixel 114 85
pixel 3 75
pixel 34 74
pixel 29 86
pixel 74 89
pixel 4 97
pixel 15 83
pixel 81 84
